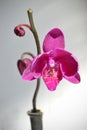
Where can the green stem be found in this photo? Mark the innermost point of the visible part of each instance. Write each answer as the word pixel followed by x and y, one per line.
pixel 27 53
pixel 35 95
pixel 33 29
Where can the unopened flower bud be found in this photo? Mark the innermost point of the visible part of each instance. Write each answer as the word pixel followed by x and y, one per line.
pixel 19 31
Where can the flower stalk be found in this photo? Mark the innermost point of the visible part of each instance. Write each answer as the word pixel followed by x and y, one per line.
pixel 35 96
pixel 27 53
pixel 33 29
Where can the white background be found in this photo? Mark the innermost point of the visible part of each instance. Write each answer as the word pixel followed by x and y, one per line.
pixel 65 108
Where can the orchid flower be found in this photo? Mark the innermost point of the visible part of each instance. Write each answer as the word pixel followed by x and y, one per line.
pixel 54 64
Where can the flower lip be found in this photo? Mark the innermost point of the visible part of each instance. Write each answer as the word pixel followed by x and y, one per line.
pixel 52 76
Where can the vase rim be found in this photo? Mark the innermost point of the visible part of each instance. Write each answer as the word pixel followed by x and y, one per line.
pixel 37 113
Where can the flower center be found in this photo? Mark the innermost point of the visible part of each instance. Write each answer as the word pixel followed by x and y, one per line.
pixel 52 68
pixel 51 74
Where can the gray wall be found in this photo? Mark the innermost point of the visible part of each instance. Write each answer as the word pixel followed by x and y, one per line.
pixel 65 108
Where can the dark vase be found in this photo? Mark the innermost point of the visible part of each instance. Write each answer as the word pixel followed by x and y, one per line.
pixel 36 120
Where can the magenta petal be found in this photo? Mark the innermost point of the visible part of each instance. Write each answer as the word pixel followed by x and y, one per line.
pixel 74 79
pixel 21 66
pixel 34 71
pixel 27 61
pixel 53 40
pixel 69 64
pixel 51 83
pixel 39 63
pixel 27 74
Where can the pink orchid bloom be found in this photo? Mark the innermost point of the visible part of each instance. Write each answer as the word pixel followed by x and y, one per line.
pixel 54 64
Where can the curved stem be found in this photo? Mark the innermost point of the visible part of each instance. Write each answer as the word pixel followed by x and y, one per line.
pixel 27 53
pixel 35 95
pixel 25 25
pixel 33 29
